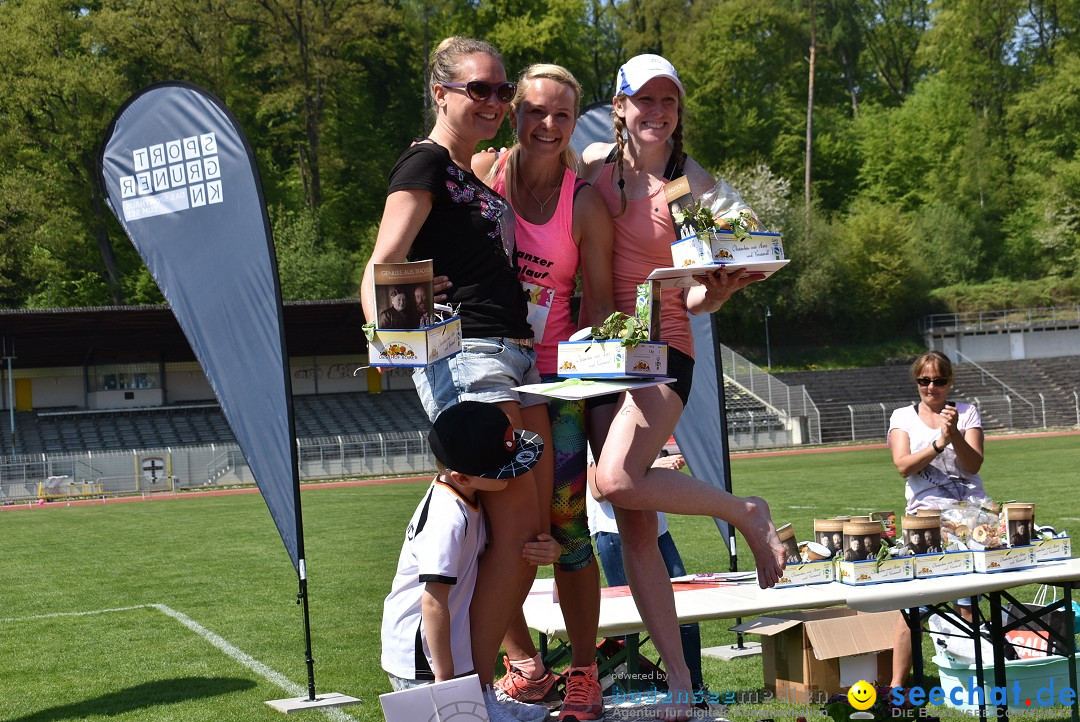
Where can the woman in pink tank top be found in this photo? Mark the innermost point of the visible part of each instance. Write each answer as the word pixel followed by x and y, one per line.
pixel 561 225
pixel 648 110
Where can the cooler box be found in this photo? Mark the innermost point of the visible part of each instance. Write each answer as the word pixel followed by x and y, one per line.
pixel 1050 675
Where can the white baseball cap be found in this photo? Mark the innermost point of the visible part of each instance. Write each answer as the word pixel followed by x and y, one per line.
pixel 640 69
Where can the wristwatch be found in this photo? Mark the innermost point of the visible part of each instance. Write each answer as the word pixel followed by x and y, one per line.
pixel 935 446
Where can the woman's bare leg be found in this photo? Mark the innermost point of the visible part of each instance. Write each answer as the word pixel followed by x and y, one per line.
pixel 504 576
pixel 625 475
pixel 648 578
pixel 518 641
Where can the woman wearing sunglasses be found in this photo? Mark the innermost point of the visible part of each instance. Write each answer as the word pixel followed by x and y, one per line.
pixel 561 224
pixel 937 446
pixel 437 208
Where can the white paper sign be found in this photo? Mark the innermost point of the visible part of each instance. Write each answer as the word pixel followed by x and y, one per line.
pixel 455 700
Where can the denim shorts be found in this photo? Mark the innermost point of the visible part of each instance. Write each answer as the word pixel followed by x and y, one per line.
pixel 487 369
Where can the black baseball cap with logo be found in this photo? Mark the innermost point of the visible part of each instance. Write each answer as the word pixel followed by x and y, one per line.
pixel 477 438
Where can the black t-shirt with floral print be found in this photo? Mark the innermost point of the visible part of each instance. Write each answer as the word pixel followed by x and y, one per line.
pixel 469 236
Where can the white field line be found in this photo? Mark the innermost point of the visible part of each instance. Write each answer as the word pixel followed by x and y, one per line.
pixel 291 688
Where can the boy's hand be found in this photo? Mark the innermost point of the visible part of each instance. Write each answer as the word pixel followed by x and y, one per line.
pixel 545 550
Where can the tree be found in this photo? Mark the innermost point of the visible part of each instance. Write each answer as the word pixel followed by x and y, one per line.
pixel 58 92
pixel 302 49
pixel 893 33
pixel 972 43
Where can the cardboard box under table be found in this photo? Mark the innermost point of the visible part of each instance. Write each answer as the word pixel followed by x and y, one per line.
pixel 807 653
pixel 413 348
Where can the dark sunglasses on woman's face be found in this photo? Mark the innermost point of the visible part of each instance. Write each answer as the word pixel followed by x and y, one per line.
pixel 936 381
pixel 480 91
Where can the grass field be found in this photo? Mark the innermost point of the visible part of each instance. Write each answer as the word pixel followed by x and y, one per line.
pixel 185 609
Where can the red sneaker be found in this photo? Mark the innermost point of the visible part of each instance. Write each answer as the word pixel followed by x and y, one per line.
pixel 583 699
pixel 519 687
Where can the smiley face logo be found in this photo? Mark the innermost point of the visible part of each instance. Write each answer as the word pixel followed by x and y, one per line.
pixel 862 695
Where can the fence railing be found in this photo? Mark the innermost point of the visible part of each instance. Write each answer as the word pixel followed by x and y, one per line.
pixel 871 421
pixel 98 473
pixel 1007 390
pixel 1013 318
pixel 791 402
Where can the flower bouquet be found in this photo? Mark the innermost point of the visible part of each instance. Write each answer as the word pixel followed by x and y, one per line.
pixel 721 228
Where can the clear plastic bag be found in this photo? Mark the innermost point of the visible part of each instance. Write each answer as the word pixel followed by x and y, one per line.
pixel 971 524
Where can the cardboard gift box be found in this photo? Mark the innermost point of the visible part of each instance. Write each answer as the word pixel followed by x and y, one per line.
pixel 1004 559
pixel 816 572
pixel 811 654
pixel 943 564
pixel 724 247
pixel 896 569
pixel 413 348
pixel 610 359
pixel 1049 549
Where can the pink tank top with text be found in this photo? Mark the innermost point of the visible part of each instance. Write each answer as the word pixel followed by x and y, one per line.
pixel 547 261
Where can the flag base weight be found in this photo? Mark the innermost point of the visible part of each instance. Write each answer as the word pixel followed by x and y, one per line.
pixel 295 704
pixel 732 651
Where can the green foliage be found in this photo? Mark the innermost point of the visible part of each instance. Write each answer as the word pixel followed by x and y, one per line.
pixel 309 267
pixel 879 270
pixel 618 325
pixel 945 245
pixel 1001 294
pixel 944 147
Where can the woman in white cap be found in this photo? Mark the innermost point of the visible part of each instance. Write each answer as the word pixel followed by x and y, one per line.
pixel 630 175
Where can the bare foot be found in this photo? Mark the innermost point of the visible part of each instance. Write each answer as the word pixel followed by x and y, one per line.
pixel 758 530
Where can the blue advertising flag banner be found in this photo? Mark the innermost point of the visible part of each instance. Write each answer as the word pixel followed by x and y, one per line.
pixel 702 429
pixel 180 176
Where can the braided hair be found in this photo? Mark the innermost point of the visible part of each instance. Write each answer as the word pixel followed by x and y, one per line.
pixel 620 147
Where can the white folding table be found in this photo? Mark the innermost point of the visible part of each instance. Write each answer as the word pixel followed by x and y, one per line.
pixel 703 602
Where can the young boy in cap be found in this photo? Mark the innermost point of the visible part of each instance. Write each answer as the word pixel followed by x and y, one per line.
pixel 425 628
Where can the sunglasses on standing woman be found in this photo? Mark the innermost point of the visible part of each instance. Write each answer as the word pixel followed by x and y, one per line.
pixel 936 381
pixel 480 91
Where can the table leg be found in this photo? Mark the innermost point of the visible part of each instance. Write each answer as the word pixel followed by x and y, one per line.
pixel 914 621
pixel 980 666
pixel 1070 635
pixel 997 640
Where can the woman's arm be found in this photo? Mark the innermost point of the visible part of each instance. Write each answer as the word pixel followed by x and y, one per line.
pixel 906 462
pixel 482 163
pixel 403 215
pixel 594 234
pixel 968 447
